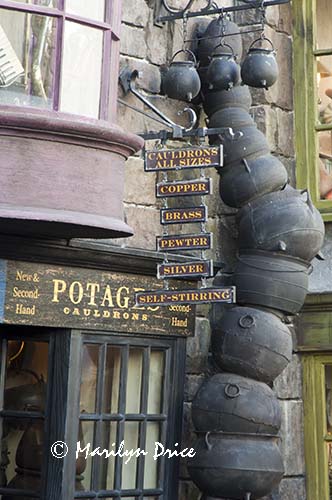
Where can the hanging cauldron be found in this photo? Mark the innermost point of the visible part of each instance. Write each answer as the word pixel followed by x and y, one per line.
pixel 250 179
pixel 271 280
pixel 232 117
pixel 251 342
pixel 228 465
pixel 231 403
pixel 237 97
pixel 260 68
pixel 217 28
pixel 223 71
pixel 181 80
pixel 284 221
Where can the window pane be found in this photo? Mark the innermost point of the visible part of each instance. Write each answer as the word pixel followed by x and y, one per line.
pixel 324 21
pixel 325 164
pixel 81 70
pixel 134 380
pixel 156 378
pixel 47 3
pixel 107 466
pixel 27 45
pixel 151 465
pixel 89 378
pixel 26 376
pixel 84 465
pixel 324 86
pixel 110 400
pixel 22 457
pixel 87 8
pixel 130 444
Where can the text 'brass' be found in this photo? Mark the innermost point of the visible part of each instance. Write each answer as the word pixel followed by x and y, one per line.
pixel 172 243
pixel 172 297
pixel 184 188
pixel 186 269
pixel 183 215
pixel 174 159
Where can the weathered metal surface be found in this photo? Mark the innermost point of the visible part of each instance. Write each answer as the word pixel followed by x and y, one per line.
pixel 62 177
pixel 183 215
pixel 260 68
pixel 251 178
pixel 237 97
pixel 49 295
pixel 197 187
pixel 181 80
pixel 185 269
pixel 174 159
pixel 272 280
pixel 230 465
pixel 251 342
pixel 284 221
pixel 197 296
pixel 231 403
pixel 200 241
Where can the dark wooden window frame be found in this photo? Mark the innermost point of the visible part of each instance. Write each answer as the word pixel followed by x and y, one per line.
pixel 62 406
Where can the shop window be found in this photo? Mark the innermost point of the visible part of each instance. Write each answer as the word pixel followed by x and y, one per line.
pixel 318 425
pixel 115 393
pixel 60 55
pixel 313 99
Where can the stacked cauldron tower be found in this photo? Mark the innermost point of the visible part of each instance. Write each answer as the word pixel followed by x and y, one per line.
pixel 235 413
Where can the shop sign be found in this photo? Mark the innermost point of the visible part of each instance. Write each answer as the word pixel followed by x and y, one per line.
pixel 183 215
pixel 200 269
pixel 185 242
pixel 174 159
pixel 196 187
pixel 67 297
pixel 201 296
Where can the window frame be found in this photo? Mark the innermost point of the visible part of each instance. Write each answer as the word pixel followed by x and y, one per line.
pixel 111 37
pixel 305 99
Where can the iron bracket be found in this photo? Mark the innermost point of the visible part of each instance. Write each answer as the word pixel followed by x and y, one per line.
pixel 127 80
pixel 164 13
pixel 201 132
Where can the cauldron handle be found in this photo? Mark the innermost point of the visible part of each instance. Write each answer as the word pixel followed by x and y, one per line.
pixel 190 52
pixel 207 442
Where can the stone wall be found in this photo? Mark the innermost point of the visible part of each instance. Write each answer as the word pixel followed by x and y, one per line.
pixel 147 47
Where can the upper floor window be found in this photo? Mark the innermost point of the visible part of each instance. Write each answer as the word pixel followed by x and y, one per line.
pixel 313 99
pixel 60 55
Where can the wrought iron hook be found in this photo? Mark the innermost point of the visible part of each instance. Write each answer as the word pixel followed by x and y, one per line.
pixel 127 80
pixel 186 8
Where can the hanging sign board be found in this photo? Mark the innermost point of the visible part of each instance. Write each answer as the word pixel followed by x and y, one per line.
pixel 175 159
pixel 183 215
pixel 184 188
pixel 201 269
pixel 201 296
pixel 72 297
pixel 185 242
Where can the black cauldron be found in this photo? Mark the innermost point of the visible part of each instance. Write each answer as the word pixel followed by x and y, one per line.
pixel 231 403
pixel 237 97
pixel 284 221
pixel 249 179
pixel 251 342
pixel 228 465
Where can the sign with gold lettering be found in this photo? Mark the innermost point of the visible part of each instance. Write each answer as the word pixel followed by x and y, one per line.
pixel 183 215
pixel 203 268
pixel 184 188
pixel 201 296
pixel 174 159
pixel 173 243
pixel 66 297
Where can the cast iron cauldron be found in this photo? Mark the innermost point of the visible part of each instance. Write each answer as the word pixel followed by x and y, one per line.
pixel 223 71
pixel 237 97
pixel 232 117
pixel 229 465
pixel 251 342
pixel 272 280
pixel 251 142
pixel 231 403
pixel 260 68
pixel 181 80
pixel 284 221
pixel 207 43
pixel 251 178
